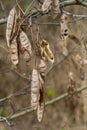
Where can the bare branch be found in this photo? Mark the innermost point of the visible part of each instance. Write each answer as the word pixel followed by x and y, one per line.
pixel 29 110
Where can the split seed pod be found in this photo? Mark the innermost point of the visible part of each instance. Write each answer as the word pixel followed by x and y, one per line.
pixel 14 51
pixel 35 89
pixel 55 8
pixel 11 25
pixel 25 46
pixel 63 27
pixel 41 106
pixel 46 51
pixel 46 5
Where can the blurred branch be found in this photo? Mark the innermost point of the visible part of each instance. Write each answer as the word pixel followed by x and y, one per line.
pixel 39 12
pixel 59 98
pixel 18 93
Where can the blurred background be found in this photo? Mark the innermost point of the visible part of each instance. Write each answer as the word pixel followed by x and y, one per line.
pixel 62 115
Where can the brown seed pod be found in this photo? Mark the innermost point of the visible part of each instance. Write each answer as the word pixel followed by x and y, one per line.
pixel 11 25
pixel 14 51
pixel 72 85
pixel 64 48
pixel 46 4
pixel 80 63
pixel 42 69
pixel 46 52
pixel 41 106
pixel 35 89
pixel 63 27
pixel 55 8
pixel 25 46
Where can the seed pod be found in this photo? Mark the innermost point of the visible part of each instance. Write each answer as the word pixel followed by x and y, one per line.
pixel 80 63
pixel 55 8
pixel 35 89
pixel 14 51
pixel 41 105
pixel 25 46
pixel 46 5
pixel 46 52
pixel 42 69
pixel 11 25
pixel 63 27
pixel 72 85
pixel 64 48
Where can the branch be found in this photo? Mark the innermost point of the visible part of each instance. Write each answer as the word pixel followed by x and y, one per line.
pixel 39 12
pixel 28 110
pixel 73 2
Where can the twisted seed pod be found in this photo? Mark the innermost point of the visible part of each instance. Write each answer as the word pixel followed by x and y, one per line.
pixel 14 51
pixel 11 25
pixel 35 89
pixel 63 27
pixel 46 5
pixel 46 51
pixel 41 105
pixel 25 46
pixel 55 8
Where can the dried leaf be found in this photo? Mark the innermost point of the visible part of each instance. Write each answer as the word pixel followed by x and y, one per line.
pixel 35 89
pixel 63 27
pixel 25 46
pixel 46 52
pixel 46 5
pixel 55 8
pixel 14 51
pixel 41 106
pixel 11 25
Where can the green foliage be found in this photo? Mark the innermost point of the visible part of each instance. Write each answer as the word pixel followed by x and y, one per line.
pixel 4 113
pixel 51 92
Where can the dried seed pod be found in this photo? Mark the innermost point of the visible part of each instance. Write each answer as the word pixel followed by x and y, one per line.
pixel 72 85
pixel 14 51
pixel 11 25
pixel 41 106
pixel 64 48
pixel 35 89
pixel 46 5
pixel 63 27
pixel 46 51
pixel 80 63
pixel 25 46
pixel 42 69
pixel 55 8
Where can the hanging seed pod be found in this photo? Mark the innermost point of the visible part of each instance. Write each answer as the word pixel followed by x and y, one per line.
pixel 35 89
pixel 80 63
pixel 55 8
pixel 46 52
pixel 64 48
pixel 11 25
pixel 46 5
pixel 72 85
pixel 42 69
pixel 41 106
pixel 14 51
pixel 25 46
pixel 63 27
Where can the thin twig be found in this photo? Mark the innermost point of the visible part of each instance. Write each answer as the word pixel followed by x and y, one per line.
pixel 57 99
